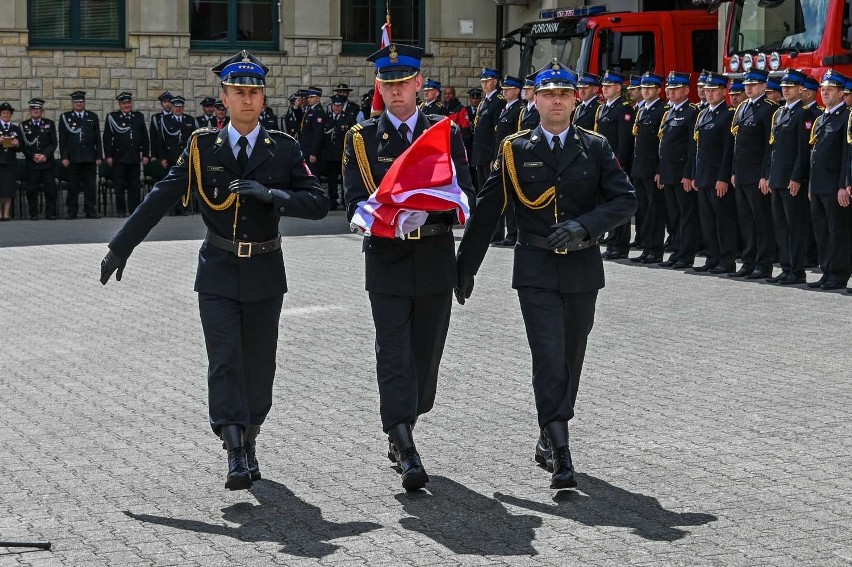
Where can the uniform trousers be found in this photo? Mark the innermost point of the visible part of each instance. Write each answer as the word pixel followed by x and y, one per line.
pixel 791 219
pixel 125 177
pixel 558 327
pixel 831 229
pixel 652 204
pixel 687 229
pixel 410 337
pixel 44 179
pixel 672 216
pixel 718 226
pixel 506 226
pixel 754 212
pixel 333 173
pixel 82 176
pixel 241 339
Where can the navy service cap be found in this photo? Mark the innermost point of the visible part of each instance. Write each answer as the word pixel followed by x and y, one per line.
pixel 736 86
pixel 124 97
pixel 396 62
pixel 793 78
pixel 555 75
pixel 78 95
pixel 612 78
pixel 677 79
pixel 36 103
pixel 242 69
pixel 588 80
pixel 755 76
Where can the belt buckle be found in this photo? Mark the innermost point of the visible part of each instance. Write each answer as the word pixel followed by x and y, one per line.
pixel 411 235
pixel 244 246
pixel 560 251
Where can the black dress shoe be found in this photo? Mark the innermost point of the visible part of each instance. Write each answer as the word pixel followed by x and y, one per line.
pixel 680 265
pixel 723 269
pixel 93 216
pixel 50 217
pixel 667 264
pixel 650 259
pixel 617 255
pixel 239 477
pixel 758 274
pixel 72 216
pixel 779 278
pixel 741 273
pixel 831 285
pixel 704 268
pixel 414 475
pixel 636 245
pixel 605 255
pixel 793 280
pixel 819 282
pixel 563 468
pixel 249 441
pixel 637 259
pixel 543 452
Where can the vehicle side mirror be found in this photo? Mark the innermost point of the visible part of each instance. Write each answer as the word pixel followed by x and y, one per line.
pixel 507 42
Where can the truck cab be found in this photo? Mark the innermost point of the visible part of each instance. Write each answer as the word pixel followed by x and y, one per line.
pixel 593 40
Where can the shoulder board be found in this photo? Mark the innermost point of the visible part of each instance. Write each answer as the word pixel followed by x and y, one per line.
pixel 739 105
pixel 771 102
pixel 500 96
pixel 695 106
pixel 589 132
pixel 207 130
pixel 280 133
pixel 367 123
pixel 511 137
pixel 730 108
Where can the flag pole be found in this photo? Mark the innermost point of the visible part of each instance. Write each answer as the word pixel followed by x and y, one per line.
pixel 378 105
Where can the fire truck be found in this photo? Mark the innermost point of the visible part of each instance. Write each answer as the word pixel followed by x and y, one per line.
pixel 593 40
pixel 810 35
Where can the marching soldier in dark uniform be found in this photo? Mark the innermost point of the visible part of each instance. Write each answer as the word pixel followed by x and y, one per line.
pixel 827 186
pixel 614 121
pixel 529 113
pixel 588 87
pixel 220 116
pixel 336 125
pixel 10 135
pixel 507 125
pixel 80 150
pixel 708 170
pixel 568 191
pixel 250 177
pixel 487 113
pixel 312 131
pixel 291 123
pixel 787 172
pixel 39 141
pixel 676 131
pixel 431 94
pixel 267 116
pixel 125 146
pixel 646 160
pixel 409 280
pixel 751 126
pixel 175 130
pixel 207 118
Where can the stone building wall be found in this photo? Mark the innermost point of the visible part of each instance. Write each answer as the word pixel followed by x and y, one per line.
pixel 154 63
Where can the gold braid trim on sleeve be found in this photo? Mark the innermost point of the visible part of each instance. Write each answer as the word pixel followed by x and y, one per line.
pixel 509 163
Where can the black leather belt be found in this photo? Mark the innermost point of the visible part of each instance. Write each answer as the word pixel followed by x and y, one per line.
pixel 429 230
pixel 537 241
pixel 244 249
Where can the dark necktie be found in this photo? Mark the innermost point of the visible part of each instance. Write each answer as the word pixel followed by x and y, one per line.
pixel 557 147
pixel 403 132
pixel 242 156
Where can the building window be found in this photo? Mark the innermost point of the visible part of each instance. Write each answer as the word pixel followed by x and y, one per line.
pixel 361 23
pixel 76 23
pixel 230 24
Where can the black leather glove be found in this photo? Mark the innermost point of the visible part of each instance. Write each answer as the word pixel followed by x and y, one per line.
pixel 464 288
pixel 252 189
pixel 567 235
pixel 110 264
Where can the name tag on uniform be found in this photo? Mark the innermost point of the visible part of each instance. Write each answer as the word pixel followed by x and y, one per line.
pixel 387 159
pixel 533 164
pixel 215 168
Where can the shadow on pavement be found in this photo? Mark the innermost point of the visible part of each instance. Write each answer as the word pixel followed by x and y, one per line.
pixel 467 522
pixel 279 517
pixel 602 504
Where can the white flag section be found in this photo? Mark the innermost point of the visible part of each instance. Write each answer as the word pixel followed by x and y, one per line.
pixel 421 180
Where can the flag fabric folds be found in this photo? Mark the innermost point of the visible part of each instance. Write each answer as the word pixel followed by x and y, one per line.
pixel 378 102
pixel 421 180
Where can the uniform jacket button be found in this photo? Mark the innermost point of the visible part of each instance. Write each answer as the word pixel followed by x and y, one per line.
pixel 281 210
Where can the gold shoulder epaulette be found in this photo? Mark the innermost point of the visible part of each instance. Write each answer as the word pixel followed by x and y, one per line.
pixel 772 102
pixel 731 108
pixel 500 96
pixel 511 137
pixel 591 132
pixel 280 133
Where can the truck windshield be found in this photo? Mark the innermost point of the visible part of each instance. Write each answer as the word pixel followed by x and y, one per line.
pixel 777 25
pixel 539 51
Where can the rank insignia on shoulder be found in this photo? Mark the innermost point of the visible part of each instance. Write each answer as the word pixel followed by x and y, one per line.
pixel 180 160
pixel 495 165
pixel 385 136
pixel 267 141
pixel 533 164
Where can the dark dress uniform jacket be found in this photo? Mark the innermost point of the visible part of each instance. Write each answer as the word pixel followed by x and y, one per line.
pixel 529 118
pixel 404 268
pixel 277 163
pixel 752 124
pixel 311 136
pixel 829 135
pixel 646 153
pixel 487 115
pixel 615 123
pixel 125 138
pixel 80 139
pixel 39 140
pixel 789 152
pixel 154 133
pixel 335 134
pixel 584 114
pixel 8 155
pixel 175 132
pixel 268 119
pixel 676 130
pixel 205 121
pixel 709 158
pixel 588 186
pixel 435 107
pixel 508 122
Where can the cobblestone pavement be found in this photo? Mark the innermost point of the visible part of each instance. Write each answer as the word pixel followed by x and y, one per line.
pixel 713 425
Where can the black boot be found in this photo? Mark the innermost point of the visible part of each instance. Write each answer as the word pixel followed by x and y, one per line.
pixel 414 476
pixel 251 456
pixel 543 452
pixel 239 477
pixel 563 468
pixel 393 454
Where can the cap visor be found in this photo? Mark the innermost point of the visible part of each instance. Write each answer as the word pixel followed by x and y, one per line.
pixel 244 82
pixel 396 75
